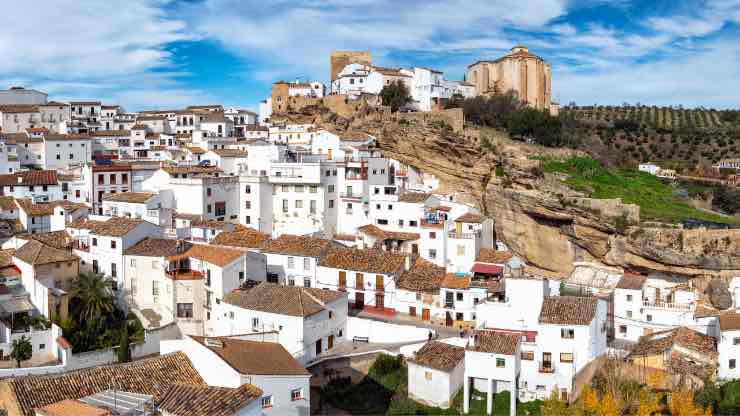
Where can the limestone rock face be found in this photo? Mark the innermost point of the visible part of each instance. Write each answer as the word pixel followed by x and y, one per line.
pixel 719 294
pixel 536 215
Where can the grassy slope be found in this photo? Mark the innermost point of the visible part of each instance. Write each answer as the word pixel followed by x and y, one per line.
pixel 656 199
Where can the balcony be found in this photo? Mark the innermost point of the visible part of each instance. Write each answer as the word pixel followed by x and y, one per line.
pixel 547 368
pixel 401 174
pixel 353 195
pixel 667 305
pixel 82 245
pixel 355 176
pixel 430 223
pixel 464 236
pixel 184 274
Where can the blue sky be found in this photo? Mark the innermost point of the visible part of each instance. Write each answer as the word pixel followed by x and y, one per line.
pixel 167 54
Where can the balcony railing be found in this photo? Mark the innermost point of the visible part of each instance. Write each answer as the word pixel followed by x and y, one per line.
pixel 350 195
pixel 667 305
pixel 81 245
pixel 184 274
pixel 355 176
pixel 549 369
pixel 467 236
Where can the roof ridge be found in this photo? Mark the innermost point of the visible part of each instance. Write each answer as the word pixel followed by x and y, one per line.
pixel 317 300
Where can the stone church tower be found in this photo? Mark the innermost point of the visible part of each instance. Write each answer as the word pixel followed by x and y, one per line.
pixel 519 70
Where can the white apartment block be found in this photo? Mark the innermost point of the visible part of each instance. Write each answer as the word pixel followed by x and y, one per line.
pixel 728 346
pixel 145 206
pixel 294 260
pixel 255 203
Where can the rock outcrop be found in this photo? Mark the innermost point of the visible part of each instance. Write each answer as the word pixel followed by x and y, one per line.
pixel 536 215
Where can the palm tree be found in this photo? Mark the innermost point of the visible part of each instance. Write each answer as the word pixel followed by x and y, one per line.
pixel 93 296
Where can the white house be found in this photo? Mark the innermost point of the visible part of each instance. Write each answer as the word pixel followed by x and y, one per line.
pixel 492 365
pixel 38 185
pixel 650 168
pixel 294 260
pixel 436 373
pixel 231 161
pixel 146 206
pixel 728 346
pixel 62 150
pixel 234 362
pixel 309 321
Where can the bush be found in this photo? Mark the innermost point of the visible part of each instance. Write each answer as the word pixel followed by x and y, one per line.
pixel 386 364
pixel 540 126
pixel 396 95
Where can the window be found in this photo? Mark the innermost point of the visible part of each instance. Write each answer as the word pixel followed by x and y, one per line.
pixel 629 298
pixel 307 283
pixel 208 208
pixel 382 222
pixel 285 188
pixel 622 329
pixel 566 357
pixel 460 250
pixel 650 318
pixel 255 322
pixel 291 281
pixel 330 189
pixel 500 363
pixel 184 310
pixel 248 204
pixel 113 271
pixel 732 363
pixel 312 207
pixel 248 189
pixel 400 223
pixel 296 394
pixel 71 156
pixel 736 341
pixel 291 262
pixel 527 355
pixel 568 333
pixel 459 296
pixel 208 191
pixel 95 241
pixel 306 263
pixel 59 157
pixel 313 189
pixel 285 205
pixel 331 203
pixel 428 375
pixel 432 254
pixel 112 243
pixel 124 178
pixel 413 223
pixel 629 314
pixel 267 401
pixel 298 204
pixel 432 235
pixel 133 262
pixel 248 219
pixel 299 188
pixel 390 207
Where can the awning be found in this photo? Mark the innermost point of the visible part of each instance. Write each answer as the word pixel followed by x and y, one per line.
pixel 16 306
pixel 487 268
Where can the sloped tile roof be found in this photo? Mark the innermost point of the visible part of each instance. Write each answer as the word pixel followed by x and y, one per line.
pixel 471 218
pixel 230 152
pixel 659 342
pixel 130 197
pixel 423 276
pixel 189 400
pixel 376 232
pixel 255 358
pixel 283 300
pixel 416 197
pixel 438 355
pixel 57 239
pixel 158 247
pixel 493 256
pixel 151 376
pixel 219 256
pixel 368 261
pixel 249 238
pixel 37 253
pixel 494 342
pixel 568 310
pixel 71 408
pixel 30 178
pixel 295 245
pixel 113 227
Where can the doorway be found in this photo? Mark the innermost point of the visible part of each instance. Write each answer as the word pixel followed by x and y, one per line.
pixel 448 319
pixel 318 346
pixel 425 314
pixel 379 300
pixel 359 300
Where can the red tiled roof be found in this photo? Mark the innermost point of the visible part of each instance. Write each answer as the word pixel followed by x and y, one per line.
pixel 30 178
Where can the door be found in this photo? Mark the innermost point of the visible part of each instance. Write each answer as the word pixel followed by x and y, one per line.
pixel 379 286
pixel 329 155
pixel 414 249
pixel 412 311
pixel 342 280
pixel 379 300
pixel 546 360
pixel 425 314
pixel 359 281
pixel 318 346
pixel 359 300
pixel 647 331
pixel 448 319
pixel 331 341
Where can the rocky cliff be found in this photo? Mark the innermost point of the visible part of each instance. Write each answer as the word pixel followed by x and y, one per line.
pixel 536 215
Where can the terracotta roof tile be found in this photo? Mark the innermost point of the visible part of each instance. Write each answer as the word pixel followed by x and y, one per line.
pixel 494 342
pixel 230 152
pixel 254 357
pixel 438 355
pixel 471 218
pixel 37 253
pixel 423 276
pixel 659 342
pixel 376 232
pixel 56 239
pixel 114 227
pixel 19 108
pixel 416 197
pixel 215 255
pixel 295 245
pixel 151 376
pixel 130 197
pixel 283 300
pixel 493 256
pixel 7 203
pixel 249 238
pixel 189 400
pixel 30 178
pixel 568 310
pixel 158 247
pixel 110 133
pixel 369 261
pixel 71 408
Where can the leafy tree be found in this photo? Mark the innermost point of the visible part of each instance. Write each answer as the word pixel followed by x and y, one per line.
pixel 91 297
pixel 726 200
pixel 553 406
pixel 649 403
pixel 537 125
pixel 493 111
pixel 124 350
pixel 396 95
pixel 681 403
pixel 22 350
